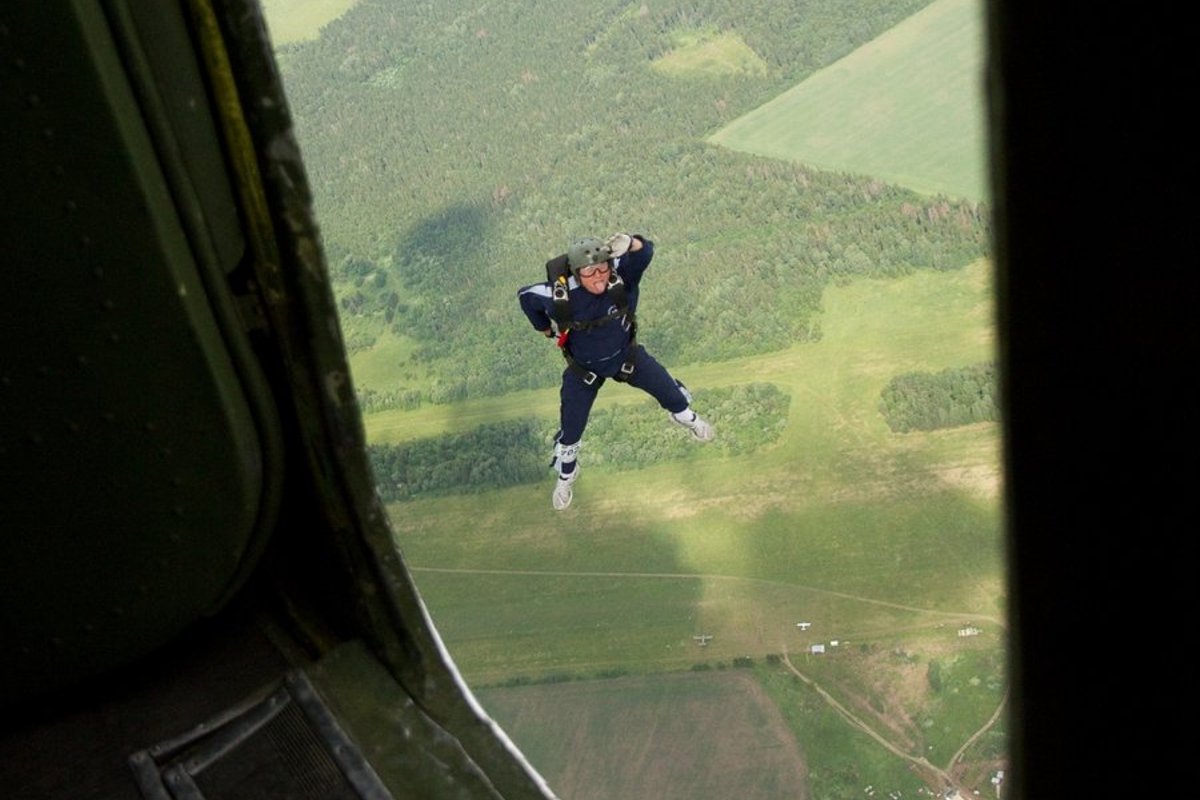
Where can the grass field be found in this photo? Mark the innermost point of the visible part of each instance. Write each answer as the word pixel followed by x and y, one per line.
pixel 711 53
pixel 907 107
pixel 828 517
pixel 662 738
pixel 298 20
pixel 885 542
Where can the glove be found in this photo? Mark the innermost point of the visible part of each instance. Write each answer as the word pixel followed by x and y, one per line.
pixel 619 244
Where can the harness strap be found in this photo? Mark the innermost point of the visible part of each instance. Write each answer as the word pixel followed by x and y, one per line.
pixel 562 305
pixel 623 374
pixel 588 324
pixel 560 294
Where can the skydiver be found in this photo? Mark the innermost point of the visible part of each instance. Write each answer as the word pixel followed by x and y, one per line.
pixel 592 316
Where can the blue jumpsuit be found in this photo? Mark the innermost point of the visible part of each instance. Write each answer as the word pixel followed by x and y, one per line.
pixel 601 349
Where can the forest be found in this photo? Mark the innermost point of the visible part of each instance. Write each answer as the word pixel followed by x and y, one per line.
pixel 452 152
pixel 496 455
pixel 924 401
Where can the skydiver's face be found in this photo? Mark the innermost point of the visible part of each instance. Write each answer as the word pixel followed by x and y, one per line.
pixel 594 277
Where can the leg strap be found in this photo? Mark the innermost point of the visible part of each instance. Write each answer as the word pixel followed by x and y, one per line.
pixel 564 455
pixel 623 374
pixel 586 375
pixel 567 452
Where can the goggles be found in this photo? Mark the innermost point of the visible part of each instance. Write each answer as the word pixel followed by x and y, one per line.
pixel 593 269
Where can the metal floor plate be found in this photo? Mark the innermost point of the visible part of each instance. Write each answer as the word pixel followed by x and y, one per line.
pixel 285 743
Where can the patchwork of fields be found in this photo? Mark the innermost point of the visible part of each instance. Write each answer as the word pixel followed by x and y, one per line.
pixel 907 108
pixel 578 629
pixel 886 543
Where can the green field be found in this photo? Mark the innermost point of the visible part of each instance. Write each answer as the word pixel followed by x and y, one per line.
pixel 298 20
pixel 709 53
pixel 577 629
pixel 882 541
pixel 840 504
pixel 907 107
pixel 662 738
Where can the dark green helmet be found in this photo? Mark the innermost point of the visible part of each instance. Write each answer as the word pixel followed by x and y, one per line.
pixel 585 251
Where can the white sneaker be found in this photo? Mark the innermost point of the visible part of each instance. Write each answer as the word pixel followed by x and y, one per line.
pixel 701 430
pixel 563 491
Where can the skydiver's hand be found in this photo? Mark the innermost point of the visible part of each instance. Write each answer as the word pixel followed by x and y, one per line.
pixel 619 244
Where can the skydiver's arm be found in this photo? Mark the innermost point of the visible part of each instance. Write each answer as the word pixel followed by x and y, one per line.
pixel 636 259
pixel 536 303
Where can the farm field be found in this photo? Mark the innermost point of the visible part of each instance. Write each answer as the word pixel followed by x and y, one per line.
pixel 691 736
pixel 907 107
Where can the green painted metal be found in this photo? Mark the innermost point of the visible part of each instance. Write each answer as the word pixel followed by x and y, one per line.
pixel 179 436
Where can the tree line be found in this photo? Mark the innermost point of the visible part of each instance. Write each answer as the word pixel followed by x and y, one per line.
pixel 514 452
pixel 924 401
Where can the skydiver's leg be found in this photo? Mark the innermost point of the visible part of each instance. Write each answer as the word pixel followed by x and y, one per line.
pixel 575 406
pixel 653 378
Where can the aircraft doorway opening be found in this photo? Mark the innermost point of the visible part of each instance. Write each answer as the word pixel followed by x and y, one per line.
pixel 825 583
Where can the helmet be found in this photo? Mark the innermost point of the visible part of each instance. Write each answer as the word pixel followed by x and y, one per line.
pixel 585 251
